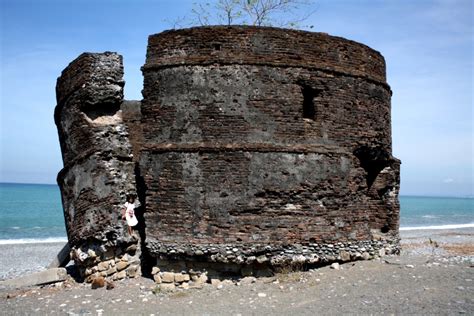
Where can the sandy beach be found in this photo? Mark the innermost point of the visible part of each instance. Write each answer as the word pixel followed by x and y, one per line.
pixel 427 278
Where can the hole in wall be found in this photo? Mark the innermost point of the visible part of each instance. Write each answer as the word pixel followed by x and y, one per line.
pixel 94 111
pixel 103 113
pixel 381 192
pixel 373 160
pixel 309 110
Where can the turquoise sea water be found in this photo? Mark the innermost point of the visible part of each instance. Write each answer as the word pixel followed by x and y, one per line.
pixel 33 213
pixel 30 212
pixel 435 212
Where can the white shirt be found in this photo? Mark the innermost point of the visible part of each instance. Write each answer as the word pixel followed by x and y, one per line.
pixel 130 209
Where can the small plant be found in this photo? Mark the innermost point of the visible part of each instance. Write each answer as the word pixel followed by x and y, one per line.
pixel 290 277
pixel 179 294
pixel 156 290
pixel 290 272
pixel 433 245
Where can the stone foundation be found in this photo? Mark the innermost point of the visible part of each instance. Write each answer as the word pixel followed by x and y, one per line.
pixel 186 267
pixel 276 256
pixel 113 262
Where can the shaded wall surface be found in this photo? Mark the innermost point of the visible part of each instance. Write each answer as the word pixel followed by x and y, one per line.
pixel 262 135
pixel 249 138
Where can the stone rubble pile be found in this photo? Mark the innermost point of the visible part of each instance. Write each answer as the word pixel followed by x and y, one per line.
pixel 113 262
pixel 171 280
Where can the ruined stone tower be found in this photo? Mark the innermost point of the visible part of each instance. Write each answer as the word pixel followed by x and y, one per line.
pixel 252 148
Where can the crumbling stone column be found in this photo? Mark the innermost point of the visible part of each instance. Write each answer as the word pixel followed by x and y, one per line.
pixel 98 168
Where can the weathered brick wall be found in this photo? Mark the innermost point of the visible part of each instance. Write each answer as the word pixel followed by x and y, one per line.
pixel 94 142
pixel 263 105
pixel 263 46
pixel 251 146
pixel 98 162
pixel 263 135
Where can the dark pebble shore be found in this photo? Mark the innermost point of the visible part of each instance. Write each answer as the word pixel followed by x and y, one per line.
pixel 427 278
pixel 21 259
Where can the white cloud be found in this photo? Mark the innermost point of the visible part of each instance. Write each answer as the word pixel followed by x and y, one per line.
pixel 448 180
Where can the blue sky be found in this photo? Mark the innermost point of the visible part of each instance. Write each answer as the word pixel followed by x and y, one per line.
pixel 428 47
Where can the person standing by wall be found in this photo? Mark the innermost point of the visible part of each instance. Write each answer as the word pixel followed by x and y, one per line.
pixel 128 213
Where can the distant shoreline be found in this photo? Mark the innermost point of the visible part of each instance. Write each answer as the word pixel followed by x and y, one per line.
pixel 21 241
pixel 437 227
pixel 404 232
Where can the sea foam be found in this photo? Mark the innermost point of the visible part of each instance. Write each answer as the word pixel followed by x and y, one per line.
pixel 33 240
pixel 450 226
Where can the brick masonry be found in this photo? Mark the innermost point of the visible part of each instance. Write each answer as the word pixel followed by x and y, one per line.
pixel 248 142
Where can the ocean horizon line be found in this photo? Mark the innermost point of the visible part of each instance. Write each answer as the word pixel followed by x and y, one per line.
pixel 437 196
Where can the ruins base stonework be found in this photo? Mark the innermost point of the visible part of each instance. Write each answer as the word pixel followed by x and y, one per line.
pixel 253 149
